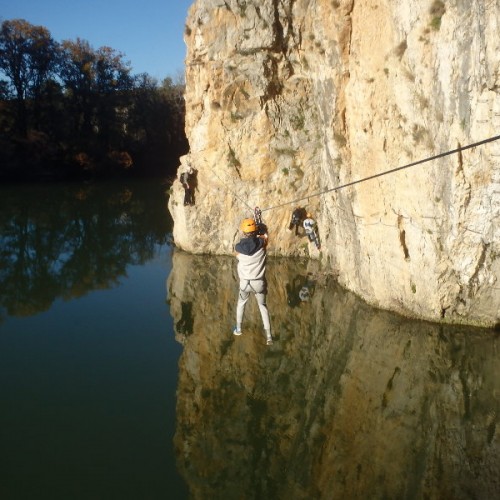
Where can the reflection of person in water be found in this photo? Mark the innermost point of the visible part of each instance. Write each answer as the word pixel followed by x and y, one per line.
pixel 304 294
pixel 300 290
pixel 293 290
pixel 185 324
pixel 307 290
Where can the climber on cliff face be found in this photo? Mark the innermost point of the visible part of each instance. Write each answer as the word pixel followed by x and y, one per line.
pixel 188 181
pixel 251 255
pixel 298 215
pixel 311 230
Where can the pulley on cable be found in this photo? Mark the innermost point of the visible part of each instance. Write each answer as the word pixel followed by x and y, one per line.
pixel 261 227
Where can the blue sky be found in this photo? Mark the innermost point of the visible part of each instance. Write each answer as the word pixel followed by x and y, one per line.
pixel 148 32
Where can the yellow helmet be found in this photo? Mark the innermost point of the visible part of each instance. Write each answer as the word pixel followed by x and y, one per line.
pixel 308 215
pixel 248 226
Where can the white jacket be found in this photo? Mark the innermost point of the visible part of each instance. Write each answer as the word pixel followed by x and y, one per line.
pixel 252 267
pixel 251 258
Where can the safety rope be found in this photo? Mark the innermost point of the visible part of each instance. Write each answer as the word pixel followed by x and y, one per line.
pixel 386 172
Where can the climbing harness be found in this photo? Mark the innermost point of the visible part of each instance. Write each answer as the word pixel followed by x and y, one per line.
pixel 249 285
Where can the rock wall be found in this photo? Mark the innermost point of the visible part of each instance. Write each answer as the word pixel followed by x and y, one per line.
pixel 286 99
pixel 349 402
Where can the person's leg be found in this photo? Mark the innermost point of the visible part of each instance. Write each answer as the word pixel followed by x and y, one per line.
pixel 316 240
pixel 243 295
pixel 260 289
pixel 264 312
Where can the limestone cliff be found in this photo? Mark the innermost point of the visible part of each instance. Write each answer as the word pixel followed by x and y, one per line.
pixel 289 98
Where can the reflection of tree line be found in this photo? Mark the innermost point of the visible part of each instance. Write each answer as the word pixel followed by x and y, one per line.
pixel 349 402
pixel 64 242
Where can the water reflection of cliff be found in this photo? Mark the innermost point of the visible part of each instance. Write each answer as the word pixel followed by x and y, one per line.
pixel 62 241
pixel 348 403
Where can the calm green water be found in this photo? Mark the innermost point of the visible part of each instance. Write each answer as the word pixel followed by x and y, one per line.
pixel 120 378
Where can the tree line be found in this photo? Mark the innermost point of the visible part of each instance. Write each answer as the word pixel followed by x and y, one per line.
pixel 68 110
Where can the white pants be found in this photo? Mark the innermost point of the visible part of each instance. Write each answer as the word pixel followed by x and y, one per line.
pixel 259 288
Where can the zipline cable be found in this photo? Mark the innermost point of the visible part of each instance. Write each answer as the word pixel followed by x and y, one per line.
pixel 386 172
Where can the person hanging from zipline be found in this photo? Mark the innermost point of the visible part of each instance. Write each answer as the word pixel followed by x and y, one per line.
pixel 251 255
pixel 311 229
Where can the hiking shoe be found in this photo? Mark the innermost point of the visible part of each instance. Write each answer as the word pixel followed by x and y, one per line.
pixel 269 341
pixel 237 331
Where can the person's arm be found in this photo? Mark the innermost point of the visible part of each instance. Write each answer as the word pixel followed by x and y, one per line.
pixel 264 238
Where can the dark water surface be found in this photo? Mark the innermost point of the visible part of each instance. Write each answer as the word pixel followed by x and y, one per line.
pixel 88 357
pixel 120 377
